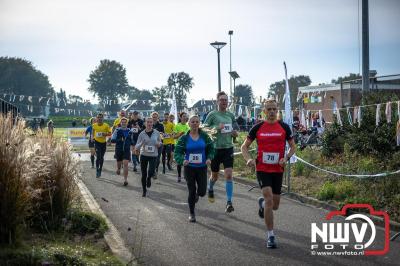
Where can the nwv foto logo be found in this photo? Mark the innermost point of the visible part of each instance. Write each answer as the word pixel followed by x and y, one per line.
pixel 333 236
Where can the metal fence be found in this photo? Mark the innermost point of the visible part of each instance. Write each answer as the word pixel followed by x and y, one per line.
pixel 6 107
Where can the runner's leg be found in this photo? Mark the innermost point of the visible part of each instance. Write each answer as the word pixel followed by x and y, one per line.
pixel 143 168
pixel 190 176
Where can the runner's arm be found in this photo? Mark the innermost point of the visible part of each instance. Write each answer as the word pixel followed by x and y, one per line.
pixel 245 150
pixel 179 153
pixel 292 149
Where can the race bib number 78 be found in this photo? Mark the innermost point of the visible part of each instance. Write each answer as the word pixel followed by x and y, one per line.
pixel 270 157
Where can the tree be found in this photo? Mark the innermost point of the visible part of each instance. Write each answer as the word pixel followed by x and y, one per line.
pixel 244 94
pixel 145 95
pixel 132 93
pixel 108 81
pixel 351 76
pixel 277 89
pixel 75 98
pixel 18 76
pixel 161 98
pixel 180 83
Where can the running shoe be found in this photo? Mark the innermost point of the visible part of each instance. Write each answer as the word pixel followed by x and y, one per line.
pixel 192 218
pixel 163 170
pixel 179 179
pixel 144 194
pixel 169 167
pixel 98 174
pixel 92 166
pixel 229 207
pixel 211 198
pixel 125 183
pixel 260 207
pixel 155 175
pixel 134 169
pixel 271 242
pixel 148 182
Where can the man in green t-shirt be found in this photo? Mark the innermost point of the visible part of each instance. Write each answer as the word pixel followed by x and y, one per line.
pixel 224 123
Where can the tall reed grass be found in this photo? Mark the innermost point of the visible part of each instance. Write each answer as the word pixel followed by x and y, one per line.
pixel 37 184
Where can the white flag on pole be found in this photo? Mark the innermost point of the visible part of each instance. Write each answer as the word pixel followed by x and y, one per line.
pixel 174 110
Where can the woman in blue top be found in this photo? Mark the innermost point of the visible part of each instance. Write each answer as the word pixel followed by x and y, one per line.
pixel 123 139
pixel 194 151
pixel 89 131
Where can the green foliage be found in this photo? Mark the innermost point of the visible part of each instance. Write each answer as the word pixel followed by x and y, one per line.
pixel 244 93
pixel 277 89
pixel 108 81
pixel 333 140
pixel 344 189
pixel 351 76
pixel 161 95
pixel 180 83
pixel 19 76
pixel 87 223
pixel 327 191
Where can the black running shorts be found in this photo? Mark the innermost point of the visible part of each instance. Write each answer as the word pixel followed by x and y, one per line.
pixel 121 155
pixel 224 156
pixel 273 180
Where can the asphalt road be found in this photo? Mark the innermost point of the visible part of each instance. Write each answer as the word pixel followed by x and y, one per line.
pixel 157 230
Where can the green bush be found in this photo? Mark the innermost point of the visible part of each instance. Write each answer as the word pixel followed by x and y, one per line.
pixel 87 223
pixel 332 140
pixel 344 189
pixel 327 191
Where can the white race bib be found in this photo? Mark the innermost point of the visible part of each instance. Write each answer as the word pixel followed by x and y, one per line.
pixel 149 148
pixel 227 128
pixel 135 130
pixel 270 157
pixel 99 134
pixel 195 158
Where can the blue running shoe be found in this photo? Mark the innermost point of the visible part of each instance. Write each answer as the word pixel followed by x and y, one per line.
pixel 271 242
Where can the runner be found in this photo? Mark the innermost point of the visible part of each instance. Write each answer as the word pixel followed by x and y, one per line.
pixel 148 142
pixel 271 136
pixel 123 137
pixel 168 141
pixel 137 125
pixel 224 122
pixel 100 132
pixel 116 124
pixel 195 150
pixel 89 131
pixel 180 129
pixel 160 128
pixel 50 128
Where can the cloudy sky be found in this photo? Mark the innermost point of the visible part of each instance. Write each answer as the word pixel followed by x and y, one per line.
pixel 66 39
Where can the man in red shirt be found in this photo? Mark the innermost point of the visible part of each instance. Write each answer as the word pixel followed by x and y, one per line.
pixel 271 136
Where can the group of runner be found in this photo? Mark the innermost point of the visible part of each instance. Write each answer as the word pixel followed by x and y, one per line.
pixel 193 149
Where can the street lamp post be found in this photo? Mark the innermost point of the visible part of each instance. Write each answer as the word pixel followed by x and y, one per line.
pixel 218 46
pixel 230 60
pixel 234 75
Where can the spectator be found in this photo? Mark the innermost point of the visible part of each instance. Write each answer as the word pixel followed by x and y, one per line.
pixel 74 122
pixel 50 128
pixel 41 124
pixel 241 122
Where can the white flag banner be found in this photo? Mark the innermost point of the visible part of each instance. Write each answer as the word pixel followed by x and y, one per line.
pixel 355 114
pixel 288 118
pixel 174 110
pixel 303 118
pixel 378 114
pixel 388 112
pixel 359 116
pixel 349 116
pixel 321 118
